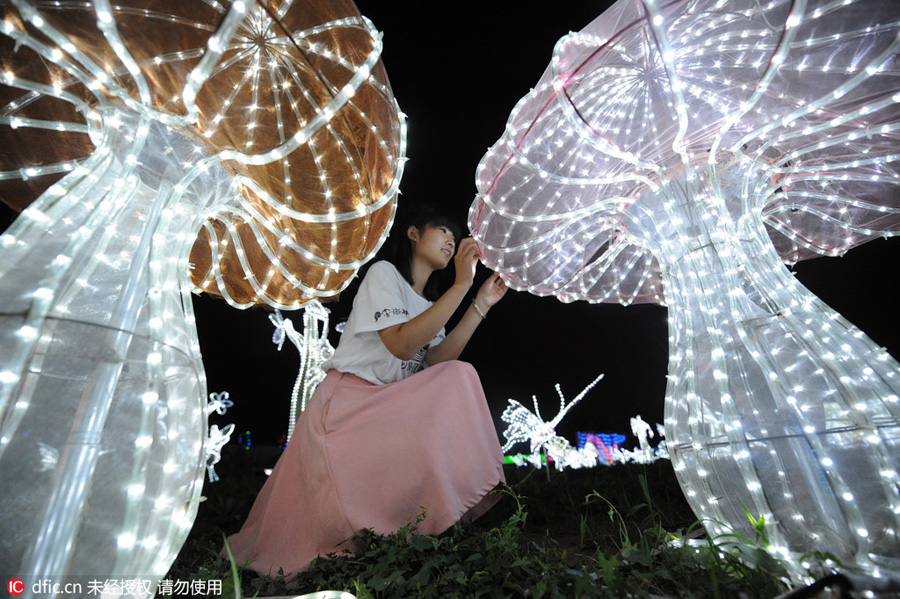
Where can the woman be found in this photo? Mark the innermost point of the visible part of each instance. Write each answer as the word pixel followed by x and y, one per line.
pixel 398 426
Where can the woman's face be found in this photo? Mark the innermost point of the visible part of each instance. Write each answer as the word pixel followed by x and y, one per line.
pixel 435 244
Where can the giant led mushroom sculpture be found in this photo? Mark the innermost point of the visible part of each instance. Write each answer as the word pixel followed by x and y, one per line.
pixel 680 152
pixel 269 129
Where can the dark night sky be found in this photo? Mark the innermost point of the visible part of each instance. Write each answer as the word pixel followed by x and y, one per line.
pixel 457 74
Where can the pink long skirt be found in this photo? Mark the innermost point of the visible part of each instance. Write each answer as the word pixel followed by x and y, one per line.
pixel 374 456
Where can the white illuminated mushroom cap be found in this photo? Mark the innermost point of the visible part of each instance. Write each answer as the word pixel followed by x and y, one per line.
pixel 800 99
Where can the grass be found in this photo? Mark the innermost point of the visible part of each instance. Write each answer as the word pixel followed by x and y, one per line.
pixel 617 531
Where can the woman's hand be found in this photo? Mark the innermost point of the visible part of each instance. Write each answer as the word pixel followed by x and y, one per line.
pixel 491 292
pixel 465 261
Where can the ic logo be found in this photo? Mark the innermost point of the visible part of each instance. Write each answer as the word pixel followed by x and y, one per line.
pixel 15 586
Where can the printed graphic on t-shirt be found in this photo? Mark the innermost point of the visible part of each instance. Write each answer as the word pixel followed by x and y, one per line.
pixel 418 361
pixel 388 312
pixel 416 364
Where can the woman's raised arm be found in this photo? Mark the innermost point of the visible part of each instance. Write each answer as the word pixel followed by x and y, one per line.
pixel 491 292
pixel 406 339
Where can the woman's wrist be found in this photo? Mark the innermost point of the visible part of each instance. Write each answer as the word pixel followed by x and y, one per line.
pixel 480 308
pixel 458 292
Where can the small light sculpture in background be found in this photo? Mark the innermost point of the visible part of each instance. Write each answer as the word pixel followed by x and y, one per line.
pixel 525 426
pixel 218 438
pixel 313 347
pixel 679 152
pixel 642 431
pixel 267 128
pixel 605 443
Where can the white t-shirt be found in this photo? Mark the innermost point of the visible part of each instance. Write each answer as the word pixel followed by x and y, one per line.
pixel 384 299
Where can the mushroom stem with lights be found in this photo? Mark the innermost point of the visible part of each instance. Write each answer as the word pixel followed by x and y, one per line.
pixel 269 129
pixel 681 153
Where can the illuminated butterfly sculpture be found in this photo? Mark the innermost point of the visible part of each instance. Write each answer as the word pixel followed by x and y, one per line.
pixel 523 425
pixel 250 150
pixel 680 152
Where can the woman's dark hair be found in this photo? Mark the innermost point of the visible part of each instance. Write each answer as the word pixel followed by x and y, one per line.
pixel 400 255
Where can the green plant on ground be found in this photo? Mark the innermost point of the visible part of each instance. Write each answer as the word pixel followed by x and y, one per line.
pixel 668 564
pixel 465 561
pixel 545 539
